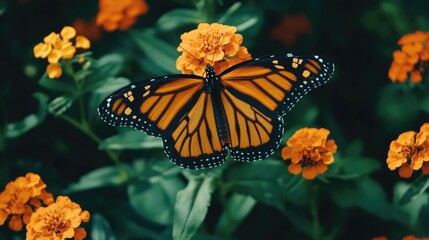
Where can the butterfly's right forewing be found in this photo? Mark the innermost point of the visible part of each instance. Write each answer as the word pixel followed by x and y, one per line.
pixel 257 93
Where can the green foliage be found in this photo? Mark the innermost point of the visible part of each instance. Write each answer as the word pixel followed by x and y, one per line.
pixel 158 51
pixel 416 188
pixel 123 177
pixel 15 129
pixel 192 204
pixel 101 228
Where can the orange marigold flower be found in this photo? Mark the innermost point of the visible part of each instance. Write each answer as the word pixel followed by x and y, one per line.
pixel 120 14
pixel 87 28
pixel 19 199
pixel 412 237
pixel 412 59
pixel 213 44
pixel 379 238
pixel 60 220
pixel 309 151
pixel 409 152
pixel 425 168
pixel 291 28
pixel 58 46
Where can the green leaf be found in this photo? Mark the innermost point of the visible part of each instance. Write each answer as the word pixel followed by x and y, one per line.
pixel 229 12
pixel 368 195
pixel 416 188
pixel 16 129
pixel 354 167
pixel 192 204
pixel 100 228
pixel 59 85
pixel 424 104
pixel 60 104
pixel 398 108
pixel 103 69
pixel 133 230
pixel 160 52
pixel 101 177
pixel 104 89
pixel 155 170
pixel 236 210
pixel 179 18
pixel 248 20
pixel 414 208
pixel 155 201
pixel 252 179
pixel 3 7
pixel 354 149
pixel 131 139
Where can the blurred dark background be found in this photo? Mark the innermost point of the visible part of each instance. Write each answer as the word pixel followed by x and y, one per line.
pixel 359 104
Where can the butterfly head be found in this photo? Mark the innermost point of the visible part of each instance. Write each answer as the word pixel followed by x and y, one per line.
pixel 210 71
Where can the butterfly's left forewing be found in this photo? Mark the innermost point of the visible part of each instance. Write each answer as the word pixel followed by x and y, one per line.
pixel 150 105
pixel 176 108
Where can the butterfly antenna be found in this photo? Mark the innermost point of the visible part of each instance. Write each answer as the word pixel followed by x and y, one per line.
pixel 200 61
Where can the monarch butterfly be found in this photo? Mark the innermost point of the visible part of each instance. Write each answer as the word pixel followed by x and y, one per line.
pixel 201 119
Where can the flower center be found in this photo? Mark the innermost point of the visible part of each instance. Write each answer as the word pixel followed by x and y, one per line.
pixel 307 160
pixel 410 151
pixel 55 222
pixel 211 42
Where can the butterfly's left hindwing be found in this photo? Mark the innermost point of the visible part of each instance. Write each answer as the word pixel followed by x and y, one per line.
pixel 194 142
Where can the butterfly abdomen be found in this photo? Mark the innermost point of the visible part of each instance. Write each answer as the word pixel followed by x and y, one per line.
pixel 214 86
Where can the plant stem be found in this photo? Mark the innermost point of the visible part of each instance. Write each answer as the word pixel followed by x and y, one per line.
pixel 223 191
pixel 85 129
pixel 314 213
pixel 83 125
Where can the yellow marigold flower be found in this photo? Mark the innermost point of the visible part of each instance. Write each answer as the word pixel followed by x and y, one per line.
pixel 213 44
pixel 68 33
pixel 412 59
pixel 54 70
pixel 42 50
pixel 310 152
pixel 82 42
pixel 410 152
pixel 60 220
pixel 114 14
pixel 59 46
pixel 68 51
pixel 20 197
pixel 52 38
pixel 54 56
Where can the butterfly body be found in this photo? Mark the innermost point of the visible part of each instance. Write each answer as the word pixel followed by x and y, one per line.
pixel 214 86
pixel 202 119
